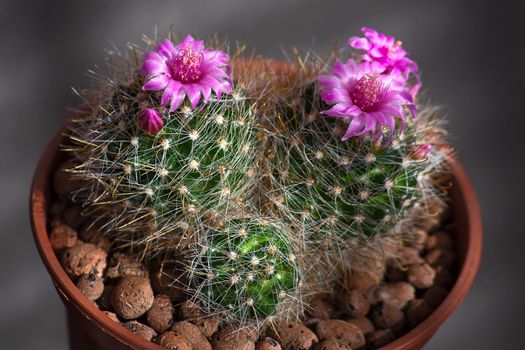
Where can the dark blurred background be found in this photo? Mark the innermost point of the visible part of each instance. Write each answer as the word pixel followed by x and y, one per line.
pixel 471 54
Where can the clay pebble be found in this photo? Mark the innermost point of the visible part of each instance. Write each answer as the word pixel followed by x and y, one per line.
pixel 379 338
pixel 268 344
pixel 332 344
pixel 123 265
pixel 160 315
pixel 141 330
pixel 293 336
pixel 365 325
pixel 170 340
pixel 82 259
pixel 192 334
pixel 397 294
pixel 132 297
pixel 91 286
pixel 232 339
pixel 342 331
pixel 354 303
pixel 421 275
pixel 62 236
pixel 321 309
pixel 384 316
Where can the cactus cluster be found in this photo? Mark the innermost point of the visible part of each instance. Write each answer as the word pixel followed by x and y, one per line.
pixel 247 186
pixel 337 191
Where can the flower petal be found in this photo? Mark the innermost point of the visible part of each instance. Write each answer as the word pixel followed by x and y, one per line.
pixel 193 93
pixel 334 96
pixel 177 98
pixel 166 49
pixel 153 64
pixel 169 91
pixel 205 90
pixel 359 43
pixel 156 83
pixel 354 125
pixel 189 41
pixel 328 81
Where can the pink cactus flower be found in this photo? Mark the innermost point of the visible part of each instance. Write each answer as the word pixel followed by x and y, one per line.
pixel 187 69
pixel 150 121
pixel 388 53
pixel 366 99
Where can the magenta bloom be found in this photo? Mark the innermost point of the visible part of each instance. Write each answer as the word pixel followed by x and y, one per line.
pixel 150 121
pixel 187 69
pixel 384 50
pixel 364 98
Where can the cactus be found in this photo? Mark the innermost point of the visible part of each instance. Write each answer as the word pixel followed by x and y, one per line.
pixel 341 190
pixel 257 196
pixel 247 267
pixel 151 189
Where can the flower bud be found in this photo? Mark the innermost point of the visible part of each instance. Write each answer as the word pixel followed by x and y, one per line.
pixel 150 121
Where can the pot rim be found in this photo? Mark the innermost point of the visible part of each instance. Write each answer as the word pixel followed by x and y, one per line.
pixel 70 292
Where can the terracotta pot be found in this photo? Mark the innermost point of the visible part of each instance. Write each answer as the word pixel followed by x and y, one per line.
pixel 89 328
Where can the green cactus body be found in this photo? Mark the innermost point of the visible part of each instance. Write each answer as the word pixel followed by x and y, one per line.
pixel 336 190
pixel 199 163
pixel 250 268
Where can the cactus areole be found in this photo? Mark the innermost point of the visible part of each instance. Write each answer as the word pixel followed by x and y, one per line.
pixel 246 179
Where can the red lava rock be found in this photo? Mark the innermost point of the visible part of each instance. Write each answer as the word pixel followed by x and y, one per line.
pixel 441 257
pixel 123 265
pixel 268 344
pixel 141 330
pixel 233 339
pixel 113 316
pixel 332 344
pixel 91 286
pixel 354 303
pixel 435 295
pixel 417 310
pixel 320 308
pixel 379 338
pixel 293 336
pixel 345 332
pixel 192 334
pixel 82 259
pixel 397 294
pixel 62 237
pixel 132 297
pixel 421 275
pixel 160 315
pixel 384 316
pixel 170 340
pixel 365 325
pixel 407 256
pixel 92 235
pixel 440 240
